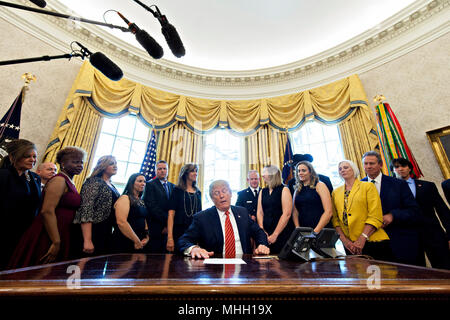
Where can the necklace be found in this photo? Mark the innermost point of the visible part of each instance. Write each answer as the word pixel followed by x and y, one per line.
pixel 70 179
pixel 192 204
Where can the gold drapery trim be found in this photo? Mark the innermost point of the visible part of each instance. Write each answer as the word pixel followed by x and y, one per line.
pixel 331 103
pixel 179 119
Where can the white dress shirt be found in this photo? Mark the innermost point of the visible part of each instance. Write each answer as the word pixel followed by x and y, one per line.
pixel 377 182
pixel 253 190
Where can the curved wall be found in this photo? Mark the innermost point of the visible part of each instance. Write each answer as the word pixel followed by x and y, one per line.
pixel 415 84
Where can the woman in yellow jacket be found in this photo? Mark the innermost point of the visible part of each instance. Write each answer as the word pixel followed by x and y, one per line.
pixel 357 215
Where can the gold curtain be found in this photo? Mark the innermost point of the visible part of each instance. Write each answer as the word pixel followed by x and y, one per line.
pixel 331 103
pixel 265 147
pixel 180 120
pixel 178 145
pixel 357 138
pixel 79 125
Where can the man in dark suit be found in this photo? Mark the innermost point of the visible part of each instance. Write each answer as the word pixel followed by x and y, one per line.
pixel 446 188
pixel 306 157
pixel 401 214
pixel 434 239
pixel 248 198
pixel 222 229
pixel 156 197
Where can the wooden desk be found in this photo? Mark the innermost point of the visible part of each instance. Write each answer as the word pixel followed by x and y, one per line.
pixel 174 278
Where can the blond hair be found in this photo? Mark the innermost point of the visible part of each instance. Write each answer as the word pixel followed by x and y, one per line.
pixel 274 174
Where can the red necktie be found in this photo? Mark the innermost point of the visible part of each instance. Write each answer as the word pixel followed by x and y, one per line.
pixel 230 250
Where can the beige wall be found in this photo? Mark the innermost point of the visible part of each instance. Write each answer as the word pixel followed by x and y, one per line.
pixel 46 96
pixel 417 87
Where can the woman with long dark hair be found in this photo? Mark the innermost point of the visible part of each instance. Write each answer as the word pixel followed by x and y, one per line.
pixel 131 230
pixel 185 201
pixel 312 200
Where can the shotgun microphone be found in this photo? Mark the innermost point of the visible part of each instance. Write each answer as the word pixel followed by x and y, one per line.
pixel 39 3
pixel 144 39
pixel 102 63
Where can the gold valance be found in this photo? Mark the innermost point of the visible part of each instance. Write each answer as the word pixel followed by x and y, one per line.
pixel 332 103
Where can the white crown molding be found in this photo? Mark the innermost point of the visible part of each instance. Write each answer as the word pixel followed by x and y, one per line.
pixel 416 25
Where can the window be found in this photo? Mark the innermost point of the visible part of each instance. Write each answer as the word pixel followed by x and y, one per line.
pixel 222 159
pixel 323 142
pixel 125 138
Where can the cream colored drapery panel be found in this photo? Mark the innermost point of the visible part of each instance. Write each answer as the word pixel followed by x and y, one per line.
pixel 178 146
pixel 265 147
pixel 356 140
pixel 333 103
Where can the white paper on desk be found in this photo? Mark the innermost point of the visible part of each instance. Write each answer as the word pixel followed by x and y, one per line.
pixel 224 261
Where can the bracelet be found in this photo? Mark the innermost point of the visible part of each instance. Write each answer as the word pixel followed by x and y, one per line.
pixel 365 235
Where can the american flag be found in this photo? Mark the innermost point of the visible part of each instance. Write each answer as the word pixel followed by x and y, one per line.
pixel 148 164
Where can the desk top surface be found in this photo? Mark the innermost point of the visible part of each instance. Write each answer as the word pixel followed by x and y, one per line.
pixel 170 274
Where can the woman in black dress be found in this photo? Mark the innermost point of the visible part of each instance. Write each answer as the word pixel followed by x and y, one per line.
pixel 131 231
pixel 312 199
pixel 185 201
pixel 274 209
pixel 20 195
pixel 96 213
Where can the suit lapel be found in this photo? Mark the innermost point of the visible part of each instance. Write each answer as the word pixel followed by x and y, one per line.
pixel 353 192
pixel 419 188
pixel 216 227
pixel 384 186
pixel 241 229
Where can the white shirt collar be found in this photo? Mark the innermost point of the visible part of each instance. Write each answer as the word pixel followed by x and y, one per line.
pixel 222 213
pixel 377 179
pixel 253 189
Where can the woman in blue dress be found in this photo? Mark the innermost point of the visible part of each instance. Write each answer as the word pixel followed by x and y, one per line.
pixel 312 199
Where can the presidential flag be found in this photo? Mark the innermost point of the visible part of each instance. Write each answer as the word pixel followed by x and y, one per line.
pixel 148 164
pixel 287 173
pixel 392 139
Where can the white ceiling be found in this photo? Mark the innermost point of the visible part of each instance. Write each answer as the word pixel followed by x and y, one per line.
pixel 246 34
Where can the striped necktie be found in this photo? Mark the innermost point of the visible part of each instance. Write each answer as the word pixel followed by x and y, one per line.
pixel 230 246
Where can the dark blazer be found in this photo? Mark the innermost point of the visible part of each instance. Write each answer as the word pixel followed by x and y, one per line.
pixel 157 204
pixel 246 198
pixel 434 238
pixel 20 202
pixel 446 188
pixel 206 231
pixel 324 179
pixel 397 199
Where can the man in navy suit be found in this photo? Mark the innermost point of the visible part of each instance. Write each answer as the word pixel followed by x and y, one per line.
pixel 446 188
pixel 156 197
pixel 435 240
pixel 248 198
pixel 206 235
pixel 307 157
pixel 401 214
